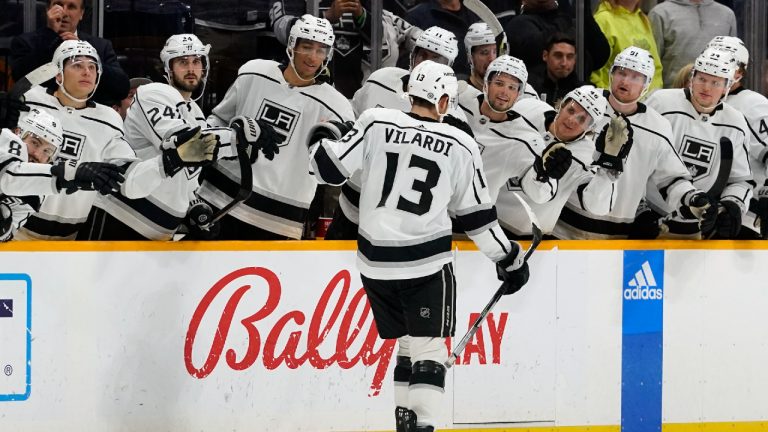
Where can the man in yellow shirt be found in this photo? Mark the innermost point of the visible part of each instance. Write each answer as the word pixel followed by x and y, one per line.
pixel 625 25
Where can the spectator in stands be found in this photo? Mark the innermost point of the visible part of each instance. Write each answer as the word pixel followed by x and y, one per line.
pixel 683 28
pixel 625 24
pixel 122 106
pixel 557 76
pixel 450 15
pixel 683 77
pixel 30 50
pixel 529 32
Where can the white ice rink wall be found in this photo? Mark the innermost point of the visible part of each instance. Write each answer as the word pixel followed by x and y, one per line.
pixel 237 336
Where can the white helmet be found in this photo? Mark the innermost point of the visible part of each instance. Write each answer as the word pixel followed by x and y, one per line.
pixel 439 41
pixel 638 60
pixel 314 29
pixel 430 81
pixel 591 99
pixel 733 45
pixel 718 63
pixel 182 45
pixel 478 34
pixel 76 48
pixel 43 125
pixel 510 66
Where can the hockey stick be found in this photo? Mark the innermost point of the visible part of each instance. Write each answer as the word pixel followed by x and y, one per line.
pixel 488 17
pixel 35 77
pixel 536 231
pixel 246 185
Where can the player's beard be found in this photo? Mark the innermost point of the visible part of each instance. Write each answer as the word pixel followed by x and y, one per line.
pixel 182 85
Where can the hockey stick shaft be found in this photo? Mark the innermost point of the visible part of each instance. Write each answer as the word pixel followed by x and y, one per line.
pixel 36 77
pixel 246 185
pixel 487 16
pixel 537 236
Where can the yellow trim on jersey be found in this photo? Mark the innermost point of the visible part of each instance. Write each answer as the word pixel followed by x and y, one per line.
pixel 666 427
pixel 341 245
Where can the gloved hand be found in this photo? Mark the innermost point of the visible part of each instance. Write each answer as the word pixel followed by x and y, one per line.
pixel 10 110
pixel 728 219
pixel 6 222
pixel 458 124
pixel 646 223
pixel 188 147
pixel 255 136
pixel 513 270
pixel 613 144
pixel 553 163
pixel 331 129
pixel 99 176
pixel 699 205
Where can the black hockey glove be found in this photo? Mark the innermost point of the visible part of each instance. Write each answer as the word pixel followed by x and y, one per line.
pixel 513 270
pixel 10 110
pixel 699 205
pixel 613 144
pixel 458 124
pixel 331 129
pixel 256 136
pixel 99 176
pixel 6 222
pixel 761 194
pixel 728 219
pixel 553 163
pixel 645 225
pixel 187 147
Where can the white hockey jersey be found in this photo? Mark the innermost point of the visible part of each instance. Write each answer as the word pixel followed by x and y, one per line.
pixel 652 163
pixel 594 185
pixel 754 106
pixel 696 138
pixel 157 109
pixel 91 134
pixel 508 149
pixel 384 88
pixel 20 181
pixel 414 173
pixel 282 188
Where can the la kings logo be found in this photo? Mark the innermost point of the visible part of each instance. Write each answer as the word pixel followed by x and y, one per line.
pixel 697 155
pixel 72 145
pixel 282 118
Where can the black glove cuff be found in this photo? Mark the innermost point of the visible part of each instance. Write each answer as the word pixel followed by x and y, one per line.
pixel 172 163
pixel 609 162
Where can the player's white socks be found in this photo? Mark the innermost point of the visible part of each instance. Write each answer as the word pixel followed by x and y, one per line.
pixel 427 385
pixel 402 371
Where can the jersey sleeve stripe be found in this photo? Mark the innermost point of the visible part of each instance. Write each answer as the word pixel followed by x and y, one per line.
pixel 496 238
pixel 580 195
pixel 327 168
pixel 325 105
pixel 259 75
pixel 42 105
pixel 679 113
pixel 382 86
pixel 352 195
pixel 664 191
pixel 530 149
pixel 104 123
pixel 478 220
pixel 754 134
pixel 18 174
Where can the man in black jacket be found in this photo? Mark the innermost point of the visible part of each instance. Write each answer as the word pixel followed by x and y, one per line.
pixel 556 77
pixel 30 50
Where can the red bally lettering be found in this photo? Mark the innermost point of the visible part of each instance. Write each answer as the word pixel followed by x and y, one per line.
pixel 373 351
pixel 476 345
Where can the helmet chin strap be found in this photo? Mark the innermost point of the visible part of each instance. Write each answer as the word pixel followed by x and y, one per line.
pixel 78 100
pixel 289 52
pixel 488 101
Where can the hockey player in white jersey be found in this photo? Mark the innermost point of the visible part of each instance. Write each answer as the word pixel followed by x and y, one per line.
pixel 569 133
pixel 94 133
pixel 650 160
pixel 510 148
pixel 27 173
pixel 700 120
pixel 289 98
pixel 754 106
pixel 415 170
pixel 158 110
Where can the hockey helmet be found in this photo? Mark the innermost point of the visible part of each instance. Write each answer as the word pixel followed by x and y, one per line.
pixel 182 45
pixel 511 66
pixel 478 34
pixel 591 99
pixel 439 41
pixel 314 29
pixel 70 49
pixel 44 126
pixel 717 63
pixel 733 45
pixel 638 60
pixel 431 80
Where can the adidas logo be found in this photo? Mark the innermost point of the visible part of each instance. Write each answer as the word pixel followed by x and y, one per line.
pixel 643 285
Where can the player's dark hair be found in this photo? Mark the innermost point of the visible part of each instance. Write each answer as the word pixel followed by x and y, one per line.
pixel 421 102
